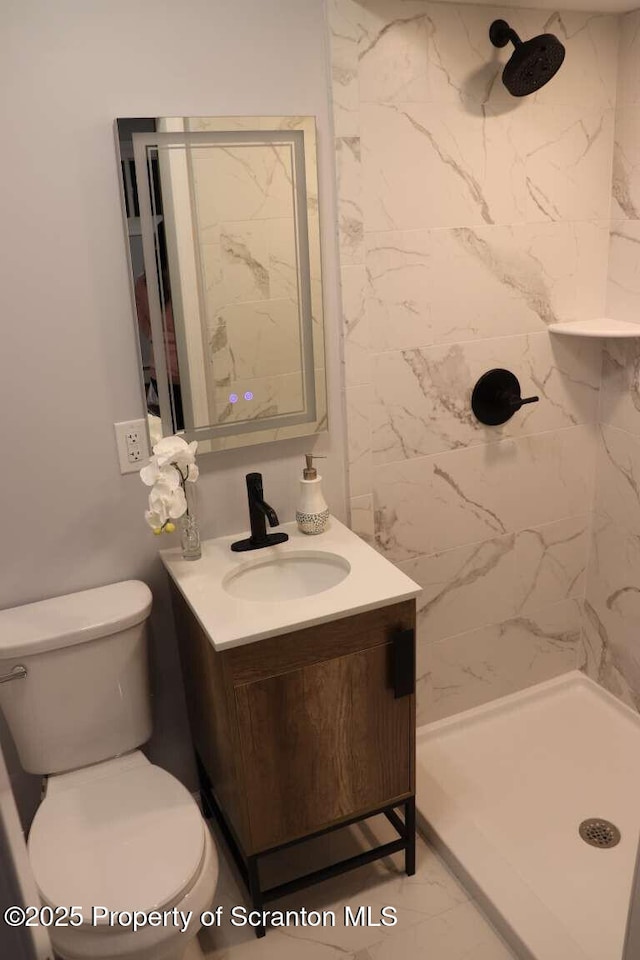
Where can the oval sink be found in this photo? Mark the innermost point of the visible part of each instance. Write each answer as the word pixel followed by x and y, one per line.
pixel 290 577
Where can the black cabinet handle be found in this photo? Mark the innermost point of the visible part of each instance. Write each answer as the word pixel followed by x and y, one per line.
pixel 404 662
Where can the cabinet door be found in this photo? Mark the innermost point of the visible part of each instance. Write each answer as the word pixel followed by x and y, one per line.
pixel 323 743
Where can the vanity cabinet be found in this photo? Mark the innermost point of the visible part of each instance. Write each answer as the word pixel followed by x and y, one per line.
pixel 300 732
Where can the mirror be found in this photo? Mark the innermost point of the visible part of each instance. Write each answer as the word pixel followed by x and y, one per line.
pixel 224 246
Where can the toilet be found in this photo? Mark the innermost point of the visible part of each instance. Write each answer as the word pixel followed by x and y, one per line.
pixel 113 830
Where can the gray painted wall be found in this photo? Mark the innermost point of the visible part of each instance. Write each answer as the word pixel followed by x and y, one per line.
pixel 68 362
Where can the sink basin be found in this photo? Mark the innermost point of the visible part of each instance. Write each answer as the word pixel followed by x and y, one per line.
pixel 244 597
pixel 302 573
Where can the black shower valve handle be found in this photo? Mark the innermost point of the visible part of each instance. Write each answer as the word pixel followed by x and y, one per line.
pixel 515 401
pixel 520 402
pixel 496 397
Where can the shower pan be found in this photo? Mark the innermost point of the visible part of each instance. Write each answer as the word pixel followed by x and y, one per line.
pixel 534 800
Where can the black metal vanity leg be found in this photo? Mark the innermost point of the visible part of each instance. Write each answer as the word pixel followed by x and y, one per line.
pixel 410 828
pixel 255 893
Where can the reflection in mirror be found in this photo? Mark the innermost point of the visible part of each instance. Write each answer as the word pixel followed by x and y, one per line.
pixel 223 232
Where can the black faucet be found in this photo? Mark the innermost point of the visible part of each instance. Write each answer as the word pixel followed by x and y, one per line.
pixel 259 513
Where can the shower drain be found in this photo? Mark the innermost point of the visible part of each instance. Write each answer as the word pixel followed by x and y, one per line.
pixel 599 833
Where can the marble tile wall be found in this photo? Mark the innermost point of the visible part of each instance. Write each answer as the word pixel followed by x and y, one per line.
pixel 468 222
pixel 612 606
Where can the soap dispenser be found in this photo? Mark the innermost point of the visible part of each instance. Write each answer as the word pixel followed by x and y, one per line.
pixel 312 513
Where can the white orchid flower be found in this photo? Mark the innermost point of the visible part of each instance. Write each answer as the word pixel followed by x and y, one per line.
pixel 175 450
pixel 158 513
pixel 154 520
pixel 166 474
pixel 170 467
pixel 167 502
pixel 177 504
pixel 165 505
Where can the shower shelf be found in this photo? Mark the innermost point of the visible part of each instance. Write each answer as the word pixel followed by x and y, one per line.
pixel 601 327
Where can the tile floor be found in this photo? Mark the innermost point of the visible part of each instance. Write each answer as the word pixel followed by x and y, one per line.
pixel 437 919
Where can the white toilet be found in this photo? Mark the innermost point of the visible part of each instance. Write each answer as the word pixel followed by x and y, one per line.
pixel 113 830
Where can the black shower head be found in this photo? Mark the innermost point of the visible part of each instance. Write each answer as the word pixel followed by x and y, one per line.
pixel 532 63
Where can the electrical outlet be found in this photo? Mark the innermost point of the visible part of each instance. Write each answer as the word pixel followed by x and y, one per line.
pixel 132 438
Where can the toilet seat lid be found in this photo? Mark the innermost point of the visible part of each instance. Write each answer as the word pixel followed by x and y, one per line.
pixel 125 835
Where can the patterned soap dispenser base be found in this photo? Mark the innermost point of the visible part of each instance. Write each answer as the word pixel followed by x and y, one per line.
pixel 312 514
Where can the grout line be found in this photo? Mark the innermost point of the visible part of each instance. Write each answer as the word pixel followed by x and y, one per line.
pixel 627 433
pixel 513 224
pixel 589 425
pixel 438 344
pixel 500 536
pixel 498 623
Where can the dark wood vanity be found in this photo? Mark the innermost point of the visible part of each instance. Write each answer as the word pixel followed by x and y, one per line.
pixel 300 733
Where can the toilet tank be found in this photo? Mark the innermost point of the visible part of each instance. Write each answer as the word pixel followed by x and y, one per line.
pixel 86 696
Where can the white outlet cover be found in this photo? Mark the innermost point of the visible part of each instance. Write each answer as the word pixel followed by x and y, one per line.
pixel 131 454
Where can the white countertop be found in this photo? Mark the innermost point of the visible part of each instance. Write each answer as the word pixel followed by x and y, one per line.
pixel 232 621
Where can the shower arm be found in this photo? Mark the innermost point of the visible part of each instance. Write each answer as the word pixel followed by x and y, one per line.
pixel 500 33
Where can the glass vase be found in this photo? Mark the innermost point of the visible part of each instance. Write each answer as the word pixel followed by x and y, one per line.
pixel 188 527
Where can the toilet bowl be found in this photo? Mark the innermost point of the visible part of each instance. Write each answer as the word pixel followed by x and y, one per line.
pixel 122 835
pixel 115 834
